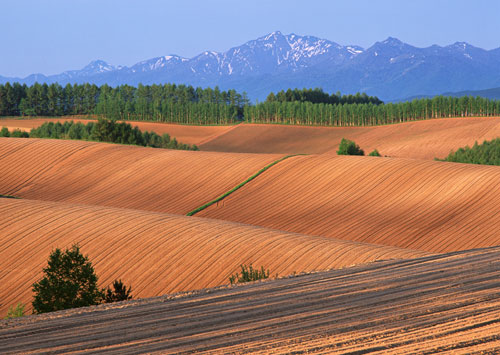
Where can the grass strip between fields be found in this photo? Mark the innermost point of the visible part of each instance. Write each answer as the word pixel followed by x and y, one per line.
pixel 9 196
pixel 221 197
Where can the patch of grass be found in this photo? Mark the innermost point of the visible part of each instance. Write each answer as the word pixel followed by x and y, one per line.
pixel 248 274
pixel 221 197
pixel 9 196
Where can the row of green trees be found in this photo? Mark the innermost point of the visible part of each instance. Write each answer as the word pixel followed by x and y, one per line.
pixel 168 103
pixel 317 96
pixel 307 113
pixel 188 105
pixel 101 131
pixel 487 153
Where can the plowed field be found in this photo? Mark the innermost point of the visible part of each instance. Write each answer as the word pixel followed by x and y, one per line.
pixel 120 176
pixel 427 139
pixel 184 134
pixel 421 140
pixel 417 204
pixel 447 304
pixel 156 253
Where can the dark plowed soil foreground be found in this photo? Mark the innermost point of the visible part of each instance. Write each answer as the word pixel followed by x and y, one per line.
pixel 448 303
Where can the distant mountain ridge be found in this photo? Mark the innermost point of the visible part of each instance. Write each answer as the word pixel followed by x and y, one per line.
pixel 493 94
pixel 390 69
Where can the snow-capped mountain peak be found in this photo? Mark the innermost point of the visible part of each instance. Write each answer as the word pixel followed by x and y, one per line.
pixel 389 69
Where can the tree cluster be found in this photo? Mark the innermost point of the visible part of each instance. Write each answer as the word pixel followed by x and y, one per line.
pixel 167 103
pixel 70 281
pixel 348 147
pixel 487 153
pixel 107 131
pixel 318 96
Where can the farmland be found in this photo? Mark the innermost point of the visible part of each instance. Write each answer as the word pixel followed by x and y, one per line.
pixel 400 251
pixel 120 176
pixel 427 139
pixel 445 303
pixel 432 206
pixel 158 253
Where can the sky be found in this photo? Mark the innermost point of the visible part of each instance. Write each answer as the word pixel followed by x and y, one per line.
pixel 52 36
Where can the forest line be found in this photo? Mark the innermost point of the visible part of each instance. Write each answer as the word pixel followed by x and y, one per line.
pixel 206 106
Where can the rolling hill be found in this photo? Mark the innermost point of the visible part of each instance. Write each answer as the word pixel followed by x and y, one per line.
pixel 184 134
pixel 417 204
pixel 157 253
pixel 120 176
pixel 446 303
pixel 419 140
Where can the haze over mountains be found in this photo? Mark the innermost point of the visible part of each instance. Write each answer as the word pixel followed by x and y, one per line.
pixel 389 69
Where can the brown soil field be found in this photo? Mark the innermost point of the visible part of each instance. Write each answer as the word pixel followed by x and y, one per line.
pixel 427 139
pixel 417 204
pixel 120 176
pixel 438 304
pixel 157 253
pixel 184 134
pixel 420 140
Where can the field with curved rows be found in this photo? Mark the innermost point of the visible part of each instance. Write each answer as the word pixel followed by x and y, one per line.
pixel 426 139
pixel 120 176
pixel 421 140
pixel 417 204
pixel 184 134
pixel 444 303
pixel 157 253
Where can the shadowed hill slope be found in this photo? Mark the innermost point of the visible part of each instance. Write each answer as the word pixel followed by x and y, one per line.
pixel 421 140
pixel 444 303
pixel 417 204
pixel 120 176
pixel 157 253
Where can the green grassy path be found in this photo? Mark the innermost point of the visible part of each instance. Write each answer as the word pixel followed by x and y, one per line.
pixel 221 197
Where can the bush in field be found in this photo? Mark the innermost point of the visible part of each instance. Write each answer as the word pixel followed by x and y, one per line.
pixel 15 312
pixel 119 292
pixel 69 282
pixel 4 132
pixel 248 273
pixel 374 153
pixel 348 147
pixel 487 153
pixel 17 133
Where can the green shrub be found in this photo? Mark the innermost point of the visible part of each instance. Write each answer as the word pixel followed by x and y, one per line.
pixel 4 132
pixel 348 147
pixel 487 153
pixel 119 292
pixel 69 282
pixel 15 312
pixel 17 133
pixel 249 274
pixel 374 153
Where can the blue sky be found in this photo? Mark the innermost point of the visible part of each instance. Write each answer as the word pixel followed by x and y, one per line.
pixel 55 35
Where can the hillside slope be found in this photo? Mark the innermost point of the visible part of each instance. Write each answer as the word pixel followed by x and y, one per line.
pixel 184 134
pixel 120 176
pixel 446 303
pixel 417 204
pixel 419 140
pixel 156 253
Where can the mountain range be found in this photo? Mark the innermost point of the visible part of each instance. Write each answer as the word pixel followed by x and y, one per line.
pixel 390 69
